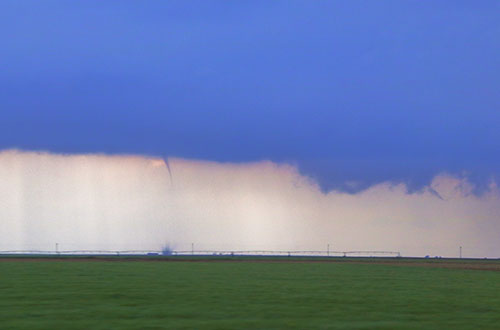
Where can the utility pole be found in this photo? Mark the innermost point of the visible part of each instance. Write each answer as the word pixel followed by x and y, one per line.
pixel 192 248
pixel 328 250
pixel 460 252
pixel 57 248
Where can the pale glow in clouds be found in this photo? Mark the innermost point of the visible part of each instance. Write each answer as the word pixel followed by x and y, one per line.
pixel 130 202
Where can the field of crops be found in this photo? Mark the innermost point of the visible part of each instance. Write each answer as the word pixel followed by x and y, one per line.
pixel 261 293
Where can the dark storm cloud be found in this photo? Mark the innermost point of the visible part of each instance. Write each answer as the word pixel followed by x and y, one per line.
pixel 354 93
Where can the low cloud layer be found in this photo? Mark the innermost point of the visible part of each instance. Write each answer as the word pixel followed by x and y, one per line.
pixel 132 202
pixel 354 93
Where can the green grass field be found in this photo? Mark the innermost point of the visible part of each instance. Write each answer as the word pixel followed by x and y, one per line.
pixel 56 294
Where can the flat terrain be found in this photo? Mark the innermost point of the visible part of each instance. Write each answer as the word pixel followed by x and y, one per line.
pixel 247 292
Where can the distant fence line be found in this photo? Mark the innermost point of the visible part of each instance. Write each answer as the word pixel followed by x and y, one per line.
pixel 211 252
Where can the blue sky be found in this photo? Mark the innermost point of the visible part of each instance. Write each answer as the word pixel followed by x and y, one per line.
pixel 352 92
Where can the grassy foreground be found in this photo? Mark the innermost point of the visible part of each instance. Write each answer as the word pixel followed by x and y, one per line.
pixel 238 295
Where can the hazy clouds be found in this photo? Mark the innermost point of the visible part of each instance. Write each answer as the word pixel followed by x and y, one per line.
pixel 130 202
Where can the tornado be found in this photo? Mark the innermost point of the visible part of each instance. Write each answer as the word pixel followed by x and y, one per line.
pixel 126 202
